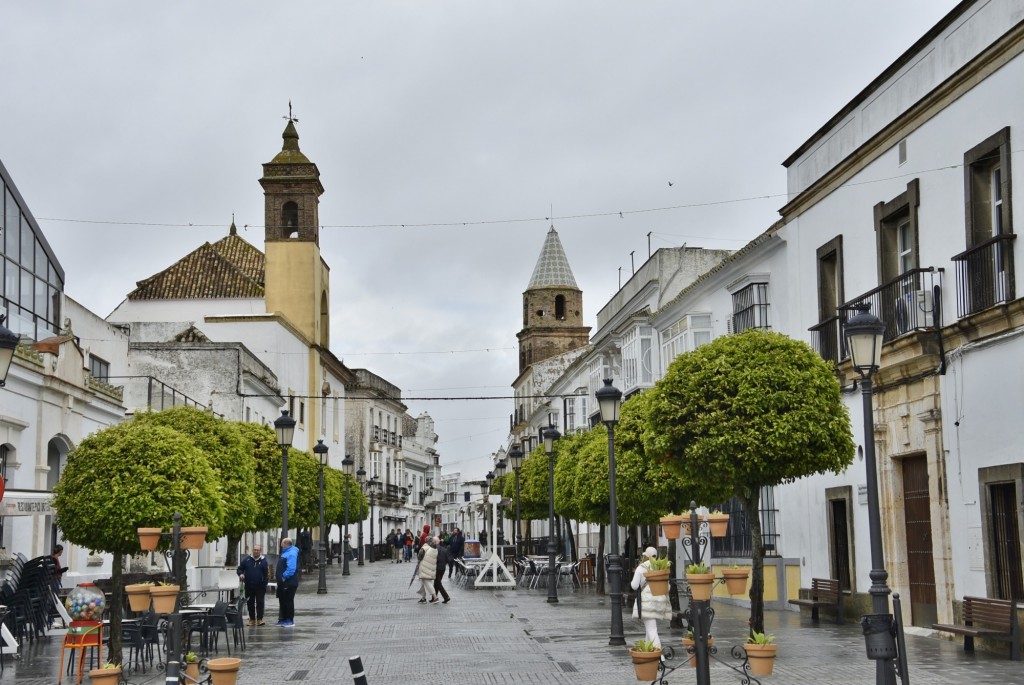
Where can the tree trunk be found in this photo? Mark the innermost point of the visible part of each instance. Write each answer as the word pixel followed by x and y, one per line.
pixel 116 592
pixel 231 556
pixel 573 553
pixel 751 505
pixel 599 562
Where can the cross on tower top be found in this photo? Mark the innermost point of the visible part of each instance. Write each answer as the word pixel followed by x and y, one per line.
pixel 290 117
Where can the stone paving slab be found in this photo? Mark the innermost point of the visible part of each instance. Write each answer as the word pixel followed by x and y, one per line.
pixel 514 637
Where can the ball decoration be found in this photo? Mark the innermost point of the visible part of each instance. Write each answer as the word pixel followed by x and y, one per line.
pixel 85 603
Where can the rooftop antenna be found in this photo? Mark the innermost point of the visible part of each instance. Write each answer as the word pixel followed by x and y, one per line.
pixel 649 244
pixel 620 278
pixel 631 264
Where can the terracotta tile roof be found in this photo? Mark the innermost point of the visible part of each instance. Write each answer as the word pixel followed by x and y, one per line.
pixel 230 267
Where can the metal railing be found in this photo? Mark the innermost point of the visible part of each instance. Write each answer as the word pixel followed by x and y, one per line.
pixel 984 275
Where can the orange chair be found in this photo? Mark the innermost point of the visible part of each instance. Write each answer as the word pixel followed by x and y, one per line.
pixel 81 635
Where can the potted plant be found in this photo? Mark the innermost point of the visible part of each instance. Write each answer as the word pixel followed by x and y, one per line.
pixel 138 595
pixel 191 668
pixel 670 525
pixel 164 596
pixel 761 649
pixel 736 579
pixel 110 674
pixel 701 581
pixel 686 521
pixel 657 575
pixel 223 671
pixel 193 537
pixel 718 523
pixel 149 538
pixel 646 659
pixel 689 645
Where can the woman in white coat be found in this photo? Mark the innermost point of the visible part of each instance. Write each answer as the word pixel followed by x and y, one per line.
pixel 648 607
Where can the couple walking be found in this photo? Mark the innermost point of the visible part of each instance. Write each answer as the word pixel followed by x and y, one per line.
pixel 433 561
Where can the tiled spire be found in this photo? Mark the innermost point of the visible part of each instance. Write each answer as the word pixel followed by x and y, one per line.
pixel 552 267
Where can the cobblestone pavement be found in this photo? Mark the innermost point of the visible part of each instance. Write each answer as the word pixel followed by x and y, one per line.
pixel 512 637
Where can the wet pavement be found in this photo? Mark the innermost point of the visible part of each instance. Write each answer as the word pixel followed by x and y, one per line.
pixel 508 636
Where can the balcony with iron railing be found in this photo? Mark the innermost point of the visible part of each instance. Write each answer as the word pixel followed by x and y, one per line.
pixel 910 302
pixel 984 275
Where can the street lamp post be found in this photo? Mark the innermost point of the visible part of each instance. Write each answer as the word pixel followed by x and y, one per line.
pixel 346 468
pixel 609 399
pixel 285 429
pixel 360 479
pixel 320 450
pixel 550 435
pixel 494 533
pixel 864 334
pixel 8 344
pixel 515 456
pixel 371 486
pixel 499 526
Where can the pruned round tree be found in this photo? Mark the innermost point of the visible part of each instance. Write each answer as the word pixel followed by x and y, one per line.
pixel 744 412
pixel 135 474
pixel 261 443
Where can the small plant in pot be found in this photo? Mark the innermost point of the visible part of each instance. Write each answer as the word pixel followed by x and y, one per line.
pixel 701 581
pixel 761 649
pixel 657 575
pixel 646 659
pixel 689 644
pixel 110 674
pixel 718 523
pixel 191 668
pixel 736 579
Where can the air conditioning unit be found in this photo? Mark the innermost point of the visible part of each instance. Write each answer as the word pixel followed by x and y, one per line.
pixel 913 310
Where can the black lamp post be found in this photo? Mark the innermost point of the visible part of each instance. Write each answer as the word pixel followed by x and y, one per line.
pixel 609 399
pixel 499 471
pixel 864 335
pixel 550 435
pixel 320 450
pixel 487 501
pixel 346 468
pixel 8 344
pixel 285 429
pixel 371 487
pixel 515 456
pixel 361 479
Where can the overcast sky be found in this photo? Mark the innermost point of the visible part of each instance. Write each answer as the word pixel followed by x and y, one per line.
pixel 449 136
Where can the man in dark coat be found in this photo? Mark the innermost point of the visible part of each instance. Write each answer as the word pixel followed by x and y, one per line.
pixel 456 547
pixel 253 572
pixel 443 557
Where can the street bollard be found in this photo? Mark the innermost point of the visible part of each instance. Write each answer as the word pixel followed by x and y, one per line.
pixel 358 674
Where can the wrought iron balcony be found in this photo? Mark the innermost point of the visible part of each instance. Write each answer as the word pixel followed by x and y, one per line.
pixel 984 275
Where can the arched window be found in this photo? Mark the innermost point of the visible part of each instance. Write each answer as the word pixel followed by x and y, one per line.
pixel 560 307
pixel 290 220
pixel 325 320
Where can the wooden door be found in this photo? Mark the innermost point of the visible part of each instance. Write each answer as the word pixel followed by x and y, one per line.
pixel 920 563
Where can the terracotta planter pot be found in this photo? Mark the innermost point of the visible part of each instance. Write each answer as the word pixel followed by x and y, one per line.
pixel 719 524
pixel 689 644
pixel 670 526
pixel 658 581
pixel 192 671
pixel 762 658
pixel 138 596
pixel 193 537
pixel 223 671
pixel 646 664
pixel 701 585
pixel 164 597
pixel 105 676
pixel 736 580
pixel 149 538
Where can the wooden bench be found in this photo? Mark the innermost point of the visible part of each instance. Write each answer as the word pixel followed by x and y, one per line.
pixel 824 593
pixel 989 618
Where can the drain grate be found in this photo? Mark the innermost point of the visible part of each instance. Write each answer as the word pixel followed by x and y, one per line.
pixel 299 675
pixel 337 624
pixel 321 646
pixel 567 667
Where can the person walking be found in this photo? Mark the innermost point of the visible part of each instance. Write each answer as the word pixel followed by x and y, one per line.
pixel 287 582
pixel 254 574
pixel 649 607
pixel 443 555
pixel 407 551
pixel 427 571
pixel 397 543
pixel 456 547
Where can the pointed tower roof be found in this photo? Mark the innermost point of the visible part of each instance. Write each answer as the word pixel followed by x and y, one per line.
pixel 552 267
pixel 290 152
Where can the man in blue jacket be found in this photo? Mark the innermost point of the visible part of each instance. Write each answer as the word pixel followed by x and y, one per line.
pixel 253 573
pixel 287 582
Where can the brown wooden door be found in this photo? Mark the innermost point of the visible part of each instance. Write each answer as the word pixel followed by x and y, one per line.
pixel 921 566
